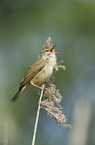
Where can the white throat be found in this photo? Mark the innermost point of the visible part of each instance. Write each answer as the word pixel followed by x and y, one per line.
pixel 50 57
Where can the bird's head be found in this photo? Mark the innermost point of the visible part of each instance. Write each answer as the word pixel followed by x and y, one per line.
pixel 48 49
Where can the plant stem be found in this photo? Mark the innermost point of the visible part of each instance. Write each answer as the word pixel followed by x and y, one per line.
pixel 37 117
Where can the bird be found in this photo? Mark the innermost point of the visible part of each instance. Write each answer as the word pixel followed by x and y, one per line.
pixel 40 71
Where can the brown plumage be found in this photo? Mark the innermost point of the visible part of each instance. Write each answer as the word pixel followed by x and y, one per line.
pixel 33 71
pixel 40 71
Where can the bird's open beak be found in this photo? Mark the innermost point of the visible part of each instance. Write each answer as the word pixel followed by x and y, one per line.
pixel 51 50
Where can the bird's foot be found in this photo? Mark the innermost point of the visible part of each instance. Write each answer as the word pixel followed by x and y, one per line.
pixel 38 86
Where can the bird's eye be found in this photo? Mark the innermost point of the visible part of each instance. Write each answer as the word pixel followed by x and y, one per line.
pixel 47 50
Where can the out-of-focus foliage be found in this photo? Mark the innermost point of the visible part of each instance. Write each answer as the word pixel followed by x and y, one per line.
pixel 24 27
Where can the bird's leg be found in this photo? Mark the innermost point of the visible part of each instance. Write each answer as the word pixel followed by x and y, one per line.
pixel 37 86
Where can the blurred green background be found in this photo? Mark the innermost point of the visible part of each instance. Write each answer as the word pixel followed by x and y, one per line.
pixel 24 27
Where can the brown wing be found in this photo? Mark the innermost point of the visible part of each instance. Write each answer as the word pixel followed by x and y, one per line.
pixel 34 70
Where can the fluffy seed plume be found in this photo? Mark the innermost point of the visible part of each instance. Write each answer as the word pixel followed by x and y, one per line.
pixel 51 104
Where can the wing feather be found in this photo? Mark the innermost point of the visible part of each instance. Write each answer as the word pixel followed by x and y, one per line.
pixel 34 70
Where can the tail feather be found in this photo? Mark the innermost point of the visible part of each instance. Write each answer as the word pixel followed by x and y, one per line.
pixel 16 96
pixel 19 91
